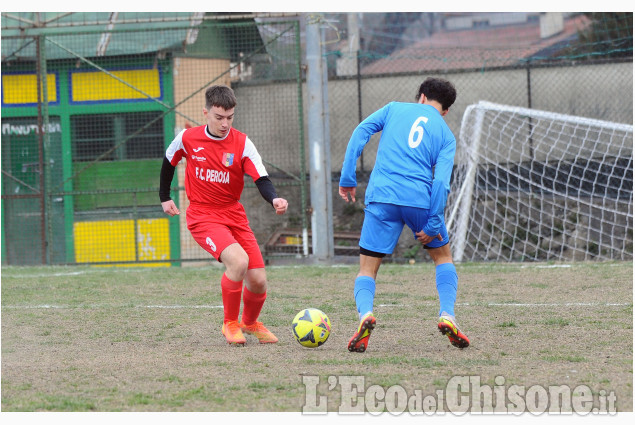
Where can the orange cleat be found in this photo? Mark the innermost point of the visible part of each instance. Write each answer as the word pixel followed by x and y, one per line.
pixel 359 342
pixel 264 335
pixel 232 332
pixel 447 326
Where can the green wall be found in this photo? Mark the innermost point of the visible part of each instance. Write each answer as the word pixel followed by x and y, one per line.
pixel 107 176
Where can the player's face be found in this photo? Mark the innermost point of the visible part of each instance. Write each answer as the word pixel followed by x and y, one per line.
pixel 219 120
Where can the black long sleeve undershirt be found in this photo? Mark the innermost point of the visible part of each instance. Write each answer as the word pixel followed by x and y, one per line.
pixel 266 189
pixel 167 174
pixel 264 185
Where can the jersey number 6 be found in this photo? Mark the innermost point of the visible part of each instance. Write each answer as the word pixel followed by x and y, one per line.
pixel 417 128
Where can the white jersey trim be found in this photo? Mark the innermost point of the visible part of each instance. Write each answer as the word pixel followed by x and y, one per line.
pixel 176 144
pixel 252 153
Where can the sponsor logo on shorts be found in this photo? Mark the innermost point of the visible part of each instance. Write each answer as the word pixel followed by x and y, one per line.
pixel 211 243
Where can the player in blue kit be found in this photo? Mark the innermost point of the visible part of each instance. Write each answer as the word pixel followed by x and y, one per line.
pixel 409 185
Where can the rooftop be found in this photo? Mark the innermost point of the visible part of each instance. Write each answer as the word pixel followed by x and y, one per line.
pixel 476 48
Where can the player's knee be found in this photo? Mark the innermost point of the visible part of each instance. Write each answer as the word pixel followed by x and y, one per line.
pixel 237 267
pixel 241 265
pixel 256 281
pixel 441 255
pixel 258 286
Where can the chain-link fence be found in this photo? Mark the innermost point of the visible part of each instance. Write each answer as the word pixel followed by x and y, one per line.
pixel 111 90
pixel 80 168
pixel 575 64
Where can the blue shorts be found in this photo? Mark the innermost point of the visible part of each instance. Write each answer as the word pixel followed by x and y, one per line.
pixel 383 224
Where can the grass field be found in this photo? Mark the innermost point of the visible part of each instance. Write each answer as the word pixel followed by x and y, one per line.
pixel 148 339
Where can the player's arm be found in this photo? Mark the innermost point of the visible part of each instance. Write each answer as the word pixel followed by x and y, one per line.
pixel 360 137
pixel 345 192
pixel 167 174
pixel 268 192
pixel 440 187
pixel 173 155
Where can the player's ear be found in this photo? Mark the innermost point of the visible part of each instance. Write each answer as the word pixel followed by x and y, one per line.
pixel 422 98
pixel 445 112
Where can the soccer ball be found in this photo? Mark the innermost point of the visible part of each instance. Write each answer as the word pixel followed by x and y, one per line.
pixel 311 327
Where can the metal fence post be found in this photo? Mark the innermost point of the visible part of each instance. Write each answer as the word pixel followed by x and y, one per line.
pixel 45 163
pixel 319 163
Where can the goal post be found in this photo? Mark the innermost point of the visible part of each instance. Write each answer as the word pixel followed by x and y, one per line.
pixel 533 185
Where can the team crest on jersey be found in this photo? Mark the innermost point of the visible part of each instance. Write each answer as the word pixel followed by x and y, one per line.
pixel 228 159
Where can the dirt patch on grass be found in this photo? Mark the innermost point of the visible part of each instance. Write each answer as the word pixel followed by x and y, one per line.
pixel 150 340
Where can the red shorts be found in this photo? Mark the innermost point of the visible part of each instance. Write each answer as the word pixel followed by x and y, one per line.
pixel 214 229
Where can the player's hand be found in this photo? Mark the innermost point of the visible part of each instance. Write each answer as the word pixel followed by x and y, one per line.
pixel 426 239
pixel 280 205
pixel 169 207
pixel 346 191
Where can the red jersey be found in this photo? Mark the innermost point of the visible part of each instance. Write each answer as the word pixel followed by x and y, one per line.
pixel 215 169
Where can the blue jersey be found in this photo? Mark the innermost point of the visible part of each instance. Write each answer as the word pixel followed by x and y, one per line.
pixel 414 160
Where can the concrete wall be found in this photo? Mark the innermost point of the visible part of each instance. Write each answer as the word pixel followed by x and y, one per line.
pixel 190 74
pixel 269 115
pixel 188 78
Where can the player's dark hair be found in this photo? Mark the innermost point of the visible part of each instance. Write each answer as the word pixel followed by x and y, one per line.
pixel 440 90
pixel 221 96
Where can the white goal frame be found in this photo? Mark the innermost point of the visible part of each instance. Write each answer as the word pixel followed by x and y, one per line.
pixel 501 143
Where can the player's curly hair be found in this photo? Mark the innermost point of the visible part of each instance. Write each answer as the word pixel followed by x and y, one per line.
pixel 221 96
pixel 440 90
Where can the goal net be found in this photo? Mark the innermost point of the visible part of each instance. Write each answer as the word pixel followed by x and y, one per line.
pixel 532 185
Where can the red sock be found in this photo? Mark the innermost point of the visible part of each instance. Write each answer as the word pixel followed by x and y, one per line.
pixel 231 292
pixel 252 305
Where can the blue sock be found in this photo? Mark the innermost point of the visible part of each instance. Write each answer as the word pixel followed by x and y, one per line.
pixel 447 281
pixel 364 292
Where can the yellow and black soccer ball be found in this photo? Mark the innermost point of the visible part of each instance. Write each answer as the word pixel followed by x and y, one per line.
pixel 311 327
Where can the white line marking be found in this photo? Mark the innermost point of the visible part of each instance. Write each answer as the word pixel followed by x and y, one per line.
pixel 194 307
pixel 179 306
pixel 102 306
pixel 552 266
pixel 30 276
pixel 29 307
pixel 74 273
pixel 522 304
pixel 556 304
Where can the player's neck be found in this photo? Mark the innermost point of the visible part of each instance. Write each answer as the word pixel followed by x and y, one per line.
pixel 211 134
pixel 435 104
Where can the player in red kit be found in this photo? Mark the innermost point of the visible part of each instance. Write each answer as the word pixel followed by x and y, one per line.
pixel 218 156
